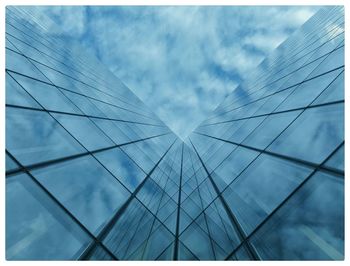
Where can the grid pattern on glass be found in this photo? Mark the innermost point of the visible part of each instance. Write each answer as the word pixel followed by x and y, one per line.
pixel 91 160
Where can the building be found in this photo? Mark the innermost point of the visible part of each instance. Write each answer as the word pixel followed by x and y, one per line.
pixel 93 174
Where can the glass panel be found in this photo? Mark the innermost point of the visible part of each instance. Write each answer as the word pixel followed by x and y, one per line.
pixel 255 193
pixel 314 135
pixel 185 253
pixel 17 96
pixel 110 128
pixel 48 96
pixel 36 228
pixel 305 93
pixel 85 188
pixel 21 64
pixel 86 132
pixel 269 129
pixel 44 138
pixel 310 226
pixel 335 91
pixel 198 242
pixel 98 253
pixel 130 230
pixel 248 126
pixel 337 159
pixel 233 166
pixel 10 164
pixel 122 167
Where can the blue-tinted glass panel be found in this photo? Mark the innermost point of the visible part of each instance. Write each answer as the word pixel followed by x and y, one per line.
pixel 233 166
pixel 313 135
pixel 48 96
pixel 310 226
pixel 20 64
pixel 337 159
pixel 261 187
pixel 10 163
pixel 44 138
pixel 36 228
pixel 122 167
pixel 335 91
pixel 269 129
pixel 85 188
pixel 198 242
pixel 85 131
pixel 17 96
pixel 305 93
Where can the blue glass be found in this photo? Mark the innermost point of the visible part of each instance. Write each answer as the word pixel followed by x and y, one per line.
pixel 313 135
pixel 36 228
pixel 269 129
pixel 122 167
pixel 19 63
pixel 17 96
pixel 10 163
pixel 337 159
pixel 198 242
pixel 85 131
pixel 305 93
pixel 44 138
pixel 48 96
pixel 261 187
pixel 85 188
pixel 233 165
pixel 310 226
pixel 335 91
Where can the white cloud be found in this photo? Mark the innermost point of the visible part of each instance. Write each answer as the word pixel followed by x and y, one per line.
pixel 182 61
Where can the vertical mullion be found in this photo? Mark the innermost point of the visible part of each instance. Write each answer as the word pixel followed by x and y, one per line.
pixel 176 248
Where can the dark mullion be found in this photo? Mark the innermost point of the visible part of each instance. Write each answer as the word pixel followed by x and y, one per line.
pixel 109 225
pixel 116 216
pixel 203 210
pixel 231 216
pixel 176 247
pixel 246 240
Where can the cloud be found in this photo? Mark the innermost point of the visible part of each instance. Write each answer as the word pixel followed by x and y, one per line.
pixel 181 61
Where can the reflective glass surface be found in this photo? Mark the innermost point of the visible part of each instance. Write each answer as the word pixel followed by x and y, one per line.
pixel 93 174
pixel 45 232
pixel 85 188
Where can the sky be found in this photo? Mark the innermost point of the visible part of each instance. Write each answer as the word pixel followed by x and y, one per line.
pixel 180 61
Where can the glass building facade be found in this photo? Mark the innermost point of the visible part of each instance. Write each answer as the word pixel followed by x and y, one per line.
pixel 93 174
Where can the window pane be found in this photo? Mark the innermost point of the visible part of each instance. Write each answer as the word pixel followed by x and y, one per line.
pixel 335 91
pixel 85 188
pixel 17 96
pixel 269 129
pixel 198 242
pixel 36 228
pixel 10 164
pixel 305 93
pixel 337 159
pixel 314 135
pixel 261 187
pixel 86 132
pixel 48 96
pixel 310 226
pixel 128 172
pixel 232 166
pixel 44 138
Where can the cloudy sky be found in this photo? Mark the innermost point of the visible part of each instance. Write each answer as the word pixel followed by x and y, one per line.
pixel 181 61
